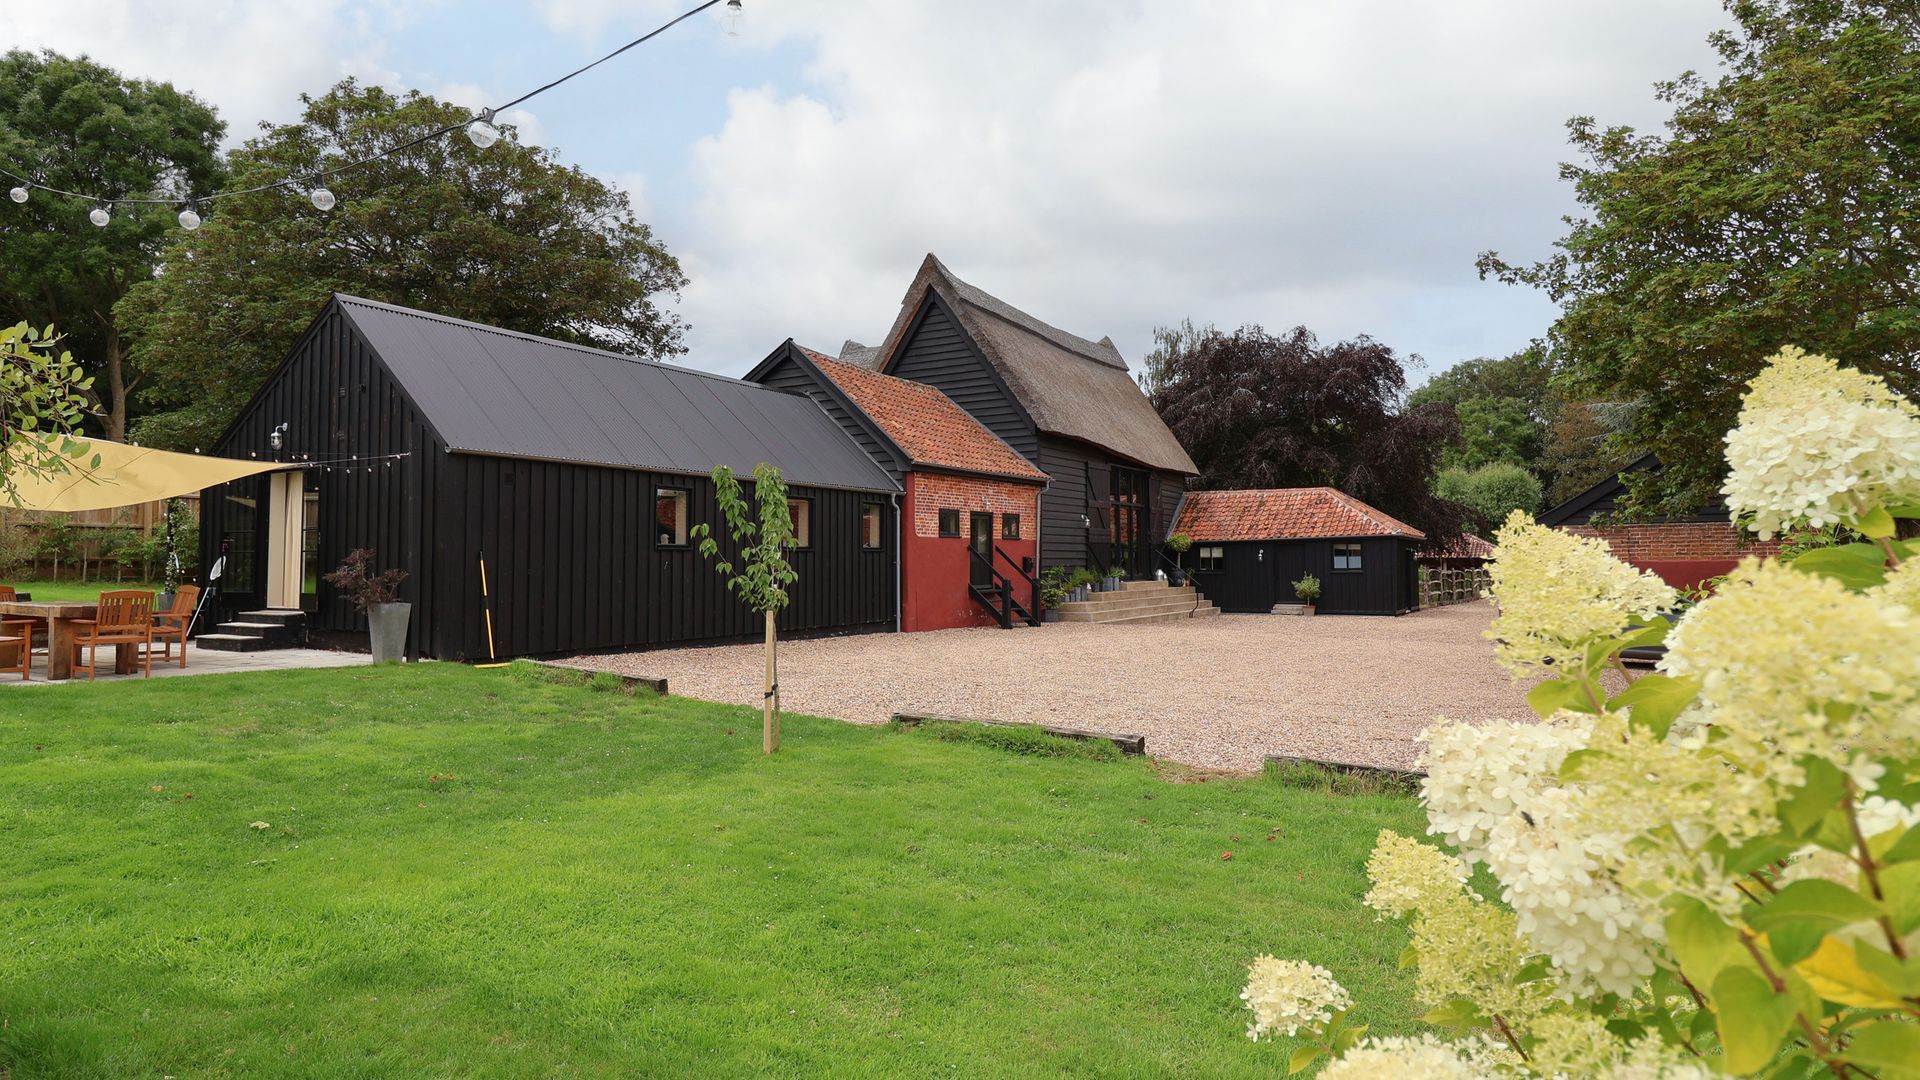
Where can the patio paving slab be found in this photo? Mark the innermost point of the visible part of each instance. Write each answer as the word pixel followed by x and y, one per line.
pixel 199 662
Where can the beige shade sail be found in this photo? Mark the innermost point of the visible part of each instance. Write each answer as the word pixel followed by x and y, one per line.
pixel 124 476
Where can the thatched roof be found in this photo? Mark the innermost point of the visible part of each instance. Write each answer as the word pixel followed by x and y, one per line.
pixel 1069 385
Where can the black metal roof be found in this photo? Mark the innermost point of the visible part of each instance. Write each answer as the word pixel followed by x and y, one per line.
pixel 492 391
pixel 1600 500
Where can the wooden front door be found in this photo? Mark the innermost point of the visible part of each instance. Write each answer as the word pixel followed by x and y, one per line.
pixel 980 539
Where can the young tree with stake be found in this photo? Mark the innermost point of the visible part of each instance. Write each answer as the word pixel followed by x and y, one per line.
pixel 762 574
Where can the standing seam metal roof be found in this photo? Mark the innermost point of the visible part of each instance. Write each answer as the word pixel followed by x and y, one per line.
pixel 493 391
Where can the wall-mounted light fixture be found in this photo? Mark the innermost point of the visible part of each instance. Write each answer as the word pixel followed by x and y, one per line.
pixel 277 438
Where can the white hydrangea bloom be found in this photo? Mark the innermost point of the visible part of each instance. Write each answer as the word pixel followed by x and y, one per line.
pixel 1793 663
pixel 1409 876
pixel 1902 587
pixel 1420 1058
pixel 1818 443
pixel 1651 1059
pixel 1557 591
pixel 1494 791
pixel 1286 995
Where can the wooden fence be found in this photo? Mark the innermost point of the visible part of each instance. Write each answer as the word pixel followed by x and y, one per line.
pixel 1444 583
pixel 91 545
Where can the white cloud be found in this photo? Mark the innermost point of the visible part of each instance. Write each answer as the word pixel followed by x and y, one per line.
pixel 526 122
pixel 1113 165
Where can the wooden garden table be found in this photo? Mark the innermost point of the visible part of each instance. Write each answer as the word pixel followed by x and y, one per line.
pixel 60 616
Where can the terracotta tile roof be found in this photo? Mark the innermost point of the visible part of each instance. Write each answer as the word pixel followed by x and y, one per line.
pixel 1468 546
pixel 1284 514
pixel 926 423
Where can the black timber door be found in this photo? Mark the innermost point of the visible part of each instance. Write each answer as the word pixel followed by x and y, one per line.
pixel 1128 498
pixel 980 539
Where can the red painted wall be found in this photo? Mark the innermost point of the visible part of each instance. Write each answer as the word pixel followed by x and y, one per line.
pixel 934 568
pixel 1683 553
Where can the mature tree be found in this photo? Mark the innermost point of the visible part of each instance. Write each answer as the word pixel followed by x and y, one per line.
pixel 505 236
pixel 76 125
pixel 1491 491
pixel 1169 342
pixel 1256 410
pixel 1778 208
pixel 1524 377
pixel 1495 429
pixel 1576 454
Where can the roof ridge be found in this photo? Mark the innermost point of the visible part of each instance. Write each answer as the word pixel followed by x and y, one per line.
pixel 1013 316
pixel 575 346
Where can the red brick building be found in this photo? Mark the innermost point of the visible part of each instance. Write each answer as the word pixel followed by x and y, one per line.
pixel 1683 551
pixel 970 510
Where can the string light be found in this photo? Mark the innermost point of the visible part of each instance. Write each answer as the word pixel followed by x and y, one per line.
pixel 479 129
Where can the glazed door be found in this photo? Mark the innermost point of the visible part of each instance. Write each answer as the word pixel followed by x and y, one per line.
pixel 286 539
pixel 1128 498
pixel 980 539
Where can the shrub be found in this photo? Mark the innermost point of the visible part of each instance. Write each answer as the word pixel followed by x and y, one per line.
pixel 364 589
pixel 1307 589
pixel 1714 871
pixel 1179 543
pixel 1490 491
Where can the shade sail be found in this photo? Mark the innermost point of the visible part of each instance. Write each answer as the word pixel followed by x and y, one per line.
pixel 125 476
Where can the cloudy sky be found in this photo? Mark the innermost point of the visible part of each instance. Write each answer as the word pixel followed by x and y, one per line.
pixel 1108 165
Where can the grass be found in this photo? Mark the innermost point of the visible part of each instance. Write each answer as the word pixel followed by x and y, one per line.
pixel 433 870
pixel 77 590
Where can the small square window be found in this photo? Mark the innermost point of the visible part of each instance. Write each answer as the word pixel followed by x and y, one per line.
pixel 669 517
pixel 1346 556
pixel 949 523
pixel 1212 556
pixel 1009 526
pixel 870 527
pixel 801 511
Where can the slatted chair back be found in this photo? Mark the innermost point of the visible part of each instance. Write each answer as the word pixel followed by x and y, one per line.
pixel 123 611
pixel 6 592
pixel 183 602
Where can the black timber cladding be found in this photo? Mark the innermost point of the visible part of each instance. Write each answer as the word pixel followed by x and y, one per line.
pixel 786 369
pixel 571 550
pixel 1258 574
pixel 936 351
pixel 1600 501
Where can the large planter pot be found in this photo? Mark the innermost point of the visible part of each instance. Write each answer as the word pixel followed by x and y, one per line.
pixel 387 625
pixel 1113 582
pixel 1308 608
pixel 1051 615
pixel 163 602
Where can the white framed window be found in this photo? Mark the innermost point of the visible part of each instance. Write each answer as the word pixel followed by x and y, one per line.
pixel 1346 556
pixel 670 517
pixel 801 512
pixel 1212 556
pixel 872 532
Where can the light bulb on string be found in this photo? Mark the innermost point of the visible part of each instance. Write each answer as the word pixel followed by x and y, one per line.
pixel 100 215
pixel 321 198
pixel 189 217
pixel 481 130
pixel 731 16
pixel 19 193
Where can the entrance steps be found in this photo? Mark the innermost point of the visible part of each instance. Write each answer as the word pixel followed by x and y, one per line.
pixel 1140 602
pixel 253 631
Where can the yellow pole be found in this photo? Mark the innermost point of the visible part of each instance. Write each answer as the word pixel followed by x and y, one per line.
pixel 486 609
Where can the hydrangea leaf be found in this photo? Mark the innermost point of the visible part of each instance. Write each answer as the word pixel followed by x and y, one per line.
pixel 1900 976
pixel 1905 849
pixel 1900 884
pixel 1702 943
pixel 1556 694
pixel 1657 700
pixel 1805 912
pixel 1875 524
pixel 1857 566
pixel 1835 973
pixel 1819 794
pixel 1890 1048
pixel 1456 1015
pixel 1753 1020
pixel 1302 1057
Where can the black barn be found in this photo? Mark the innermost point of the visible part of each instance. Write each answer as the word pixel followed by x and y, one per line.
pixel 1063 402
pixel 577 472
pixel 1249 547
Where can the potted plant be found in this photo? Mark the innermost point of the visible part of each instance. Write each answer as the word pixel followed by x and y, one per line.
pixel 1112 581
pixel 373 596
pixel 1179 543
pixel 1053 593
pixel 1079 584
pixel 1308 590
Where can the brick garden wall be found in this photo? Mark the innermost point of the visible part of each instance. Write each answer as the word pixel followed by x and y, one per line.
pixel 1683 553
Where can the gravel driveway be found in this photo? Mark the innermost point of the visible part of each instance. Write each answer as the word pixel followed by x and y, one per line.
pixel 1216 693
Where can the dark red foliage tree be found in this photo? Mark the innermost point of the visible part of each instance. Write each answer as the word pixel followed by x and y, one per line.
pixel 1260 411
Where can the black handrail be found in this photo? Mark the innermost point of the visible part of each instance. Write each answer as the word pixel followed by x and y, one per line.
pixel 1184 572
pixel 1003 613
pixel 1033 584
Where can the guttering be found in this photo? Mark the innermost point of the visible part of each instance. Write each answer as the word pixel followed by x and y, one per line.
pixel 899 557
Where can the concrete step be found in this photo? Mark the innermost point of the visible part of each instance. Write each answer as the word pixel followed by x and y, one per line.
pixel 232 642
pixel 1290 609
pixel 1180 606
pixel 275 616
pixel 1152 617
pixel 1133 606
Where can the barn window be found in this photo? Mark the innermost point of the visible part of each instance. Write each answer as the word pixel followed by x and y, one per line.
pixel 670 517
pixel 801 511
pixel 1009 526
pixel 870 529
pixel 949 523
pixel 1346 556
pixel 1212 556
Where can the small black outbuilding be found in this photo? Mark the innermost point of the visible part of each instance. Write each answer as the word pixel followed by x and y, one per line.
pixel 1249 547
pixel 579 473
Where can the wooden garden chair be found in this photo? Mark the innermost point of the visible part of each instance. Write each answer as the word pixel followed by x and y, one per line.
pixel 123 618
pixel 19 631
pixel 171 625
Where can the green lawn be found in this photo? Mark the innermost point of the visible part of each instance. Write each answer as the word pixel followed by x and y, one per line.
pixel 480 873
pixel 76 590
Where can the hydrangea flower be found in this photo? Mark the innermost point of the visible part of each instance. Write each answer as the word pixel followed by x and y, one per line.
pixel 1794 663
pixel 1557 591
pixel 1287 995
pixel 1409 876
pixel 1420 1058
pixel 1819 443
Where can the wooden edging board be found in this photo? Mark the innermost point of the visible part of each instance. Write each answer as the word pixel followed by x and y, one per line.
pixel 1128 744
